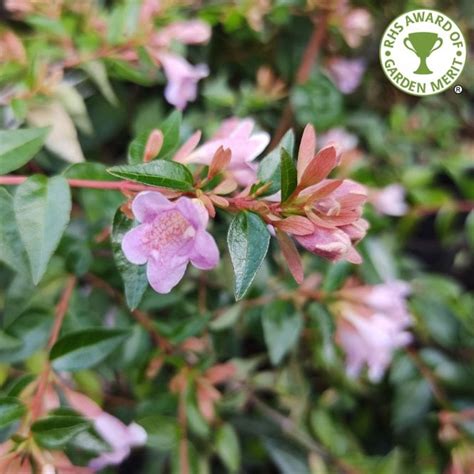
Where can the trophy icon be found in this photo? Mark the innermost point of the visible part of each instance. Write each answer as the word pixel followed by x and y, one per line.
pixel 423 44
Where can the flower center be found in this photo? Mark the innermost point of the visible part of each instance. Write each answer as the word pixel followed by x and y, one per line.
pixel 170 231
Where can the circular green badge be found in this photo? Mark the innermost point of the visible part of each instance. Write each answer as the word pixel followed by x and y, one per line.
pixel 423 52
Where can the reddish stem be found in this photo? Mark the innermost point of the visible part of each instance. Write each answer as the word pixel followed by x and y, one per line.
pixel 84 183
pixel 61 310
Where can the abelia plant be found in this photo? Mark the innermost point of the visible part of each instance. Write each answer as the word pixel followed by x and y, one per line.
pixel 228 245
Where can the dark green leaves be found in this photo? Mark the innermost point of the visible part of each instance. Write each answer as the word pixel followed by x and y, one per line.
pixel 170 129
pixel 55 432
pixel 227 446
pixel 17 147
pixel 12 252
pixel 288 175
pixel 85 348
pixel 166 174
pixel 318 102
pixel 11 409
pixel 42 209
pixel 282 325
pixel 248 241
pixel 133 276
pixel 269 170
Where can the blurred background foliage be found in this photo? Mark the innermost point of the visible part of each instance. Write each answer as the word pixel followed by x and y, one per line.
pixel 290 408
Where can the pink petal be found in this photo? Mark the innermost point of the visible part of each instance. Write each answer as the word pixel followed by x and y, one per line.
pixel 148 204
pixel 205 254
pixel 193 211
pixel 165 274
pixel 182 79
pixel 306 150
pixel 189 32
pixel 332 244
pixel 134 249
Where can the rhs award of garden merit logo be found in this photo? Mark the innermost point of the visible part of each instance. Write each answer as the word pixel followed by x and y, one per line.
pixel 423 52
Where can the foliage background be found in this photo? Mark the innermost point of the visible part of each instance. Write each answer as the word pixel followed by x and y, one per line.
pixel 301 414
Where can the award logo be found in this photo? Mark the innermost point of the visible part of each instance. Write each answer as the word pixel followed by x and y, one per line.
pixel 423 52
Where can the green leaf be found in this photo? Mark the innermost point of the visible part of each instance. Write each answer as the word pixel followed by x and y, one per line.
pixel 98 73
pixel 166 174
pixel 8 342
pixel 32 329
pixel 288 175
pixel 85 348
pixel 317 101
pixel 289 458
pixel 163 431
pixel 42 209
pixel 17 147
pixel 11 409
pixel 227 447
pixel 12 252
pixel 133 276
pixel 171 132
pixel 136 149
pixel 55 432
pixel 248 241
pixel 282 325
pixel 269 170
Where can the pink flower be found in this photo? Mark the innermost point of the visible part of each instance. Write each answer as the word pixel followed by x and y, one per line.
pixel 346 73
pixel 389 200
pixel 355 24
pixel 182 79
pixel 186 32
pixel 170 235
pixel 340 138
pixel 236 135
pixel 371 324
pixel 120 437
pixel 333 206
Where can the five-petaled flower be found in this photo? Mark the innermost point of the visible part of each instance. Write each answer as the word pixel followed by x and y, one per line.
pixel 170 235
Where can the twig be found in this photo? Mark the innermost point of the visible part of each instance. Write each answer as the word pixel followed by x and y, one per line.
pixel 61 310
pixel 290 428
pixel 84 183
pixel 142 318
pixel 430 377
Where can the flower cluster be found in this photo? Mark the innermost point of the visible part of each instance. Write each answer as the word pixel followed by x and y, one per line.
pixel 323 215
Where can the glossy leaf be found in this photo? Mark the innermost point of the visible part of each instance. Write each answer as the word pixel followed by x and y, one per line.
pixel 12 252
pixel 269 169
pixel 11 409
pixel 55 432
pixel 42 210
pixel 85 348
pixel 227 446
pixel 288 175
pixel 17 147
pixel 282 325
pixel 133 276
pixel 248 241
pixel 166 174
